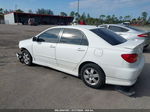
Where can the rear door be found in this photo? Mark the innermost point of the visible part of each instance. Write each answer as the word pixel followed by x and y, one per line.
pixel 71 49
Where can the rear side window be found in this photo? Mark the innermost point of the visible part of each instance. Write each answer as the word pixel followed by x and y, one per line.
pixel 117 29
pixel 133 28
pixel 104 26
pixel 109 36
pixel 73 36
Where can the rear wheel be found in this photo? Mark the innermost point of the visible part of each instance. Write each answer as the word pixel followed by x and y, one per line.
pixel 27 58
pixel 93 76
pixel 146 46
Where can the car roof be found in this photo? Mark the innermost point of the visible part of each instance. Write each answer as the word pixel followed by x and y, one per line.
pixel 114 24
pixel 89 27
pixel 119 25
pixel 125 26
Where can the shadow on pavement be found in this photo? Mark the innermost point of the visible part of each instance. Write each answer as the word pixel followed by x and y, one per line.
pixel 142 87
pixel 146 50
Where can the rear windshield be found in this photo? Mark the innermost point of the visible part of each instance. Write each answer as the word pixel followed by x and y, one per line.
pixel 109 36
pixel 133 28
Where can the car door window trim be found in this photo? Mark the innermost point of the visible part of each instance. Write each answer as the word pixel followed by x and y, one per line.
pixel 58 36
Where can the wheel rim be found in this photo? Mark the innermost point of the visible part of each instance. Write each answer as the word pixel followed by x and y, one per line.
pixel 91 76
pixel 26 58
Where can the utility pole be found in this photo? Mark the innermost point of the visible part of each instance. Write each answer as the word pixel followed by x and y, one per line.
pixel 16 7
pixel 78 6
pixel 78 10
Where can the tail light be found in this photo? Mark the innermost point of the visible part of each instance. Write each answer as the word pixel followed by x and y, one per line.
pixel 130 58
pixel 143 35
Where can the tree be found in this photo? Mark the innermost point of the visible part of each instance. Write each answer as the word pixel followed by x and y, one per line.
pixel 44 11
pixel 30 11
pixel 7 11
pixel 63 14
pixel 114 19
pixel 134 21
pixel 72 13
pixel 108 19
pixel 77 14
pixel 144 15
pixel 102 17
pixel 120 18
pixel 50 12
pixel 88 15
pixel 77 17
pixel 148 20
pixel 1 11
pixel 83 17
pixel 19 10
pixel 127 18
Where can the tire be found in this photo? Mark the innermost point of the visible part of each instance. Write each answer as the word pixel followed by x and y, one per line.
pixel 146 46
pixel 27 58
pixel 93 76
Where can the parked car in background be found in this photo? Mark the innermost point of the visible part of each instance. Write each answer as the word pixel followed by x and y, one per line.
pixel 31 21
pixel 129 32
pixel 126 23
pixel 97 55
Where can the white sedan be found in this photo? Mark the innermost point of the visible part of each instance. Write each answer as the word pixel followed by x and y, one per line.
pixel 97 55
pixel 129 32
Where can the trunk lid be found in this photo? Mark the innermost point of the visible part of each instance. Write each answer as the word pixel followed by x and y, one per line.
pixel 132 44
pixel 136 47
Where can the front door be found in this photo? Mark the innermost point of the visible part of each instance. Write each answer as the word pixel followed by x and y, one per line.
pixel 44 49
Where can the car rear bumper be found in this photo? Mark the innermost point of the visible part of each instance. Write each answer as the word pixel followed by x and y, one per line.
pixel 125 76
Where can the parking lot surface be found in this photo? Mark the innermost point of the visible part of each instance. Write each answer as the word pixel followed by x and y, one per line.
pixel 39 87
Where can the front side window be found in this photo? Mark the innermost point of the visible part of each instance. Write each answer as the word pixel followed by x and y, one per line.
pixel 117 29
pixel 51 36
pixel 73 36
pixel 109 36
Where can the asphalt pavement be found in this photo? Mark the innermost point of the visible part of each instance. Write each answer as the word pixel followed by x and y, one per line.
pixel 39 87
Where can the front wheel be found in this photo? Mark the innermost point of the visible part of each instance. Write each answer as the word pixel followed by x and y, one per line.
pixel 93 76
pixel 27 58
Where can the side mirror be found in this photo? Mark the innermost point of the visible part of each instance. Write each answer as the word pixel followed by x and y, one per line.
pixel 34 39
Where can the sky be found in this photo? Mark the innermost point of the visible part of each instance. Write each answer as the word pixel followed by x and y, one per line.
pixel 93 7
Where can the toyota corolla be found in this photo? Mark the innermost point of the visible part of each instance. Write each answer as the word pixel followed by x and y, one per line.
pixel 97 55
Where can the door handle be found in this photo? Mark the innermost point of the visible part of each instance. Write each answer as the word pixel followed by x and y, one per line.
pixel 79 49
pixel 52 46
